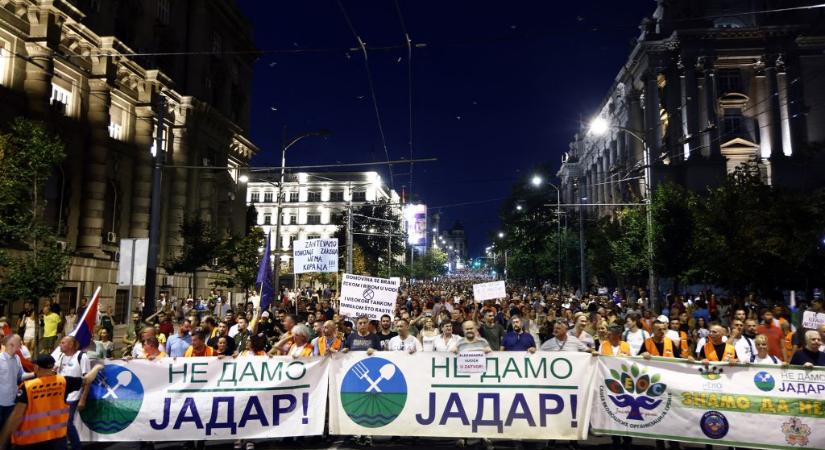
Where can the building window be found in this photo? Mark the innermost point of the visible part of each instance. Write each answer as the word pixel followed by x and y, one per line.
pixel 313 219
pixel 290 219
pixel 732 122
pixel 61 99
pixel 728 80
pixel 255 197
pixel 314 196
pixel 294 197
pixel 359 196
pixel 267 197
pixel 313 236
pixel 336 196
pixel 267 219
pixel 336 218
pixel 163 139
pixel 163 11
pixel 4 63
pixel 116 116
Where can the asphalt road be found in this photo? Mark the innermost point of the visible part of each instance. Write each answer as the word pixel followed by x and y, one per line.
pixel 400 444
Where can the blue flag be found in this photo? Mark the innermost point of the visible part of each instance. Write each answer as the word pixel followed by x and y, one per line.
pixel 264 279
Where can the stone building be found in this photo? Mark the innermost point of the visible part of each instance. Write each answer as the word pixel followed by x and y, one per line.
pixel 313 204
pixel 709 86
pixel 92 71
pixel 454 243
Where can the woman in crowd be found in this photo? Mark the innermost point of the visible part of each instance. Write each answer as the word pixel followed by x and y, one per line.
pixel 150 349
pixel 428 334
pixel 222 348
pixel 27 326
pixel 699 330
pixel 762 356
pixel 301 347
pixel 601 334
pixel 103 347
pixel 256 346
pixel 69 322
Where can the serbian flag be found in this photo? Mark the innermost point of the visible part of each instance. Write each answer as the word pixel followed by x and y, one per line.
pixel 85 329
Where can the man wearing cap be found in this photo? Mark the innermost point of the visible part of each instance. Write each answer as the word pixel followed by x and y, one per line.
pixel 40 416
pixel 614 345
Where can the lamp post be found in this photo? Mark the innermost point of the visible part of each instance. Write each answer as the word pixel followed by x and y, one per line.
pixel 285 145
pixel 537 181
pixel 599 126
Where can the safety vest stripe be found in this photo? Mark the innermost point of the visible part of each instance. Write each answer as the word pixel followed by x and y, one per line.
pixel 41 415
pixel 54 426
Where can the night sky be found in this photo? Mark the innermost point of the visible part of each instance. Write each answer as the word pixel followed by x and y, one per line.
pixel 499 88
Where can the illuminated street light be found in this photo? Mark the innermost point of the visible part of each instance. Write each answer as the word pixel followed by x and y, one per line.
pixel 599 126
pixel 243 179
pixel 519 207
pixel 500 234
pixel 536 180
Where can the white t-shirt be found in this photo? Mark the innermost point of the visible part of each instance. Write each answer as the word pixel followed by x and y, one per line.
pixel 770 360
pixel 441 345
pixel 68 366
pixel 745 347
pixel 406 345
pixel 233 330
pixel 636 340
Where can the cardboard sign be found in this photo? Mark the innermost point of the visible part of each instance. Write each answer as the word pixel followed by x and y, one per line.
pixel 315 255
pixel 368 296
pixel 489 291
pixel 474 361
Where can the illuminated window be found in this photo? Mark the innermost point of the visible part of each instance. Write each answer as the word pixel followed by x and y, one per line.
pixel 314 196
pixel 294 197
pixel 267 197
pixel 255 197
pixel 61 98
pixel 116 118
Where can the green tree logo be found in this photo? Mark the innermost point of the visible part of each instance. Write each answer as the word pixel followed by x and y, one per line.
pixel 636 389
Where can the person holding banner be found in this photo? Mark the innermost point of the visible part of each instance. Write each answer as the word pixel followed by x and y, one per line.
pixel 301 347
pixel 614 345
pixel 715 349
pixel 71 362
pixel 659 344
pixel 761 355
pixel 328 342
pixel 403 342
pixel 445 341
pixel 198 347
pixel 810 356
pixel 518 340
pixel 562 341
pixel 151 349
pixel 361 339
pixel 471 340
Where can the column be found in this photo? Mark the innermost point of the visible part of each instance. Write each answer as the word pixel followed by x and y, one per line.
pixel 653 129
pixel 142 172
pixel 38 82
pixel 774 117
pixel 710 106
pixel 94 179
pixel 784 106
pixel 690 110
pixel 178 155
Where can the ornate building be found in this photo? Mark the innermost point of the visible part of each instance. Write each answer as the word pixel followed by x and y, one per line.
pixel 710 85
pixel 314 203
pixel 92 71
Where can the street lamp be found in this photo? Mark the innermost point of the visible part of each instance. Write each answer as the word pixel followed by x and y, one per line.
pixel 519 208
pixel 500 234
pixel 599 126
pixel 537 181
pixel 286 143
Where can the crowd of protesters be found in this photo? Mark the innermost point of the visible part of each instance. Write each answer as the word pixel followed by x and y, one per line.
pixel 430 317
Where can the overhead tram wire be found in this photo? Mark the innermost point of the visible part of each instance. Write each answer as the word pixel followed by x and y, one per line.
pixel 372 89
pixel 409 87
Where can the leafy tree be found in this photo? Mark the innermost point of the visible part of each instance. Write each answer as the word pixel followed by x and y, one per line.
pixel 629 247
pixel 200 246
pixel 430 265
pixel 28 156
pixel 240 256
pixel 375 224
pixel 674 224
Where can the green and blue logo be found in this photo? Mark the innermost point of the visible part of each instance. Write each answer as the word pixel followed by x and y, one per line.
pixel 373 392
pixel 114 400
pixel 764 381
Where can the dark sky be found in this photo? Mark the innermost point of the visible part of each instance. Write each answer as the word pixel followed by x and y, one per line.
pixel 499 88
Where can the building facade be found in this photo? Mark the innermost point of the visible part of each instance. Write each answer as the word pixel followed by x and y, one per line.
pixel 453 242
pixel 708 89
pixel 92 71
pixel 314 204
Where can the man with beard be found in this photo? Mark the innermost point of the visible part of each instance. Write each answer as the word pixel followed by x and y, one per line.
pixel 222 331
pixel 385 332
pixel 743 335
pixel 517 340
pixel 472 339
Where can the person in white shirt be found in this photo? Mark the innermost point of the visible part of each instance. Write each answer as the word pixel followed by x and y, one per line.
pixel 744 334
pixel 634 335
pixel 404 342
pixel 445 341
pixel 71 362
pixel 762 356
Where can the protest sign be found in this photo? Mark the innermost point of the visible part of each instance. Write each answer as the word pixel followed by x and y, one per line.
pixel 368 296
pixel 812 320
pixel 520 396
pixel 315 255
pixel 205 399
pixel 753 406
pixel 489 291
pixel 472 362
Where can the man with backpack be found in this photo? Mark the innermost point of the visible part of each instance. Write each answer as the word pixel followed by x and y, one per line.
pixel 70 361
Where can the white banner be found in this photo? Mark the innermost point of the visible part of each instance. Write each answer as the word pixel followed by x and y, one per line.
pixel 751 406
pixel 188 399
pixel 131 269
pixel 315 255
pixel 489 291
pixel 368 296
pixel 520 396
pixel 812 320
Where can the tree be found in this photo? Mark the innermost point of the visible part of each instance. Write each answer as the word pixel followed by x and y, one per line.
pixel 674 224
pixel 200 246
pixel 377 232
pixel 429 265
pixel 240 256
pixel 28 156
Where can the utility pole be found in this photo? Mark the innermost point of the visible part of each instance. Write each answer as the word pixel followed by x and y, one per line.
pixel 278 217
pixel 582 277
pixel 154 211
pixel 349 231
